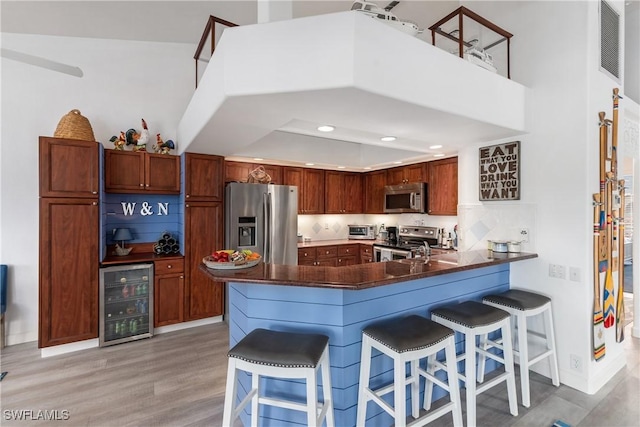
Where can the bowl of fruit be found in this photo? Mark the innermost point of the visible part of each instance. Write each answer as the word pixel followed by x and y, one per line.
pixel 230 259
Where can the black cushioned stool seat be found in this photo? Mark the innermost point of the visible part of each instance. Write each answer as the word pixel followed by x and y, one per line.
pixel 408 333
pixel 474 319
pixel 521 305
pixel 408 339
pixel 284 355
pixel 471 314
pixel 284 349
pixel 518 299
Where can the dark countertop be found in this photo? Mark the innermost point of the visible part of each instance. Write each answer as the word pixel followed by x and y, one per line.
pixel 368 275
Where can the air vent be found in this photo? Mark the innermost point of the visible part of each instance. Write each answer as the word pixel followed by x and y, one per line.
pixel 609 40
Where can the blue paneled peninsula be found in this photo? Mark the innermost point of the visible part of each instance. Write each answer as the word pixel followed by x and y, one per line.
pixel 339 302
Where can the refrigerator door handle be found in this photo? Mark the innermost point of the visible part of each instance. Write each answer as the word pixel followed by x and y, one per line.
pixel 267 227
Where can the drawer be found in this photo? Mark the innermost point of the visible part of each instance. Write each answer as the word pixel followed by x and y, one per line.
pixel 327 252
pixel 347 260
pixel 347 250
pixel 366 250
pixel 168 266
pixel 327 262
pixel 306 254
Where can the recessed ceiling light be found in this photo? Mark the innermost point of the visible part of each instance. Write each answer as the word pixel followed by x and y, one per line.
pixel 388 138
pixel 258 158
pixel 309 164
pixel 438 155
pixel 435 147
pixel 341 167
pixel 397 163
pixel 326 128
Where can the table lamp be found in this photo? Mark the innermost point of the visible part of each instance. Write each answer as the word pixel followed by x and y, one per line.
pixel 122 235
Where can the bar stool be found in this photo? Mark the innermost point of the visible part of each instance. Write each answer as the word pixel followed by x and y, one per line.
pixel 474 319
pixel 280 355
pixel 521 305
pixel 408 339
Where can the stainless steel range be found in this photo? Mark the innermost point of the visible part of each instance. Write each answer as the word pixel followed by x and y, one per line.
pixel 413 241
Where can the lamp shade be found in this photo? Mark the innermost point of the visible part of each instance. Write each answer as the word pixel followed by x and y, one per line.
pixel 121 234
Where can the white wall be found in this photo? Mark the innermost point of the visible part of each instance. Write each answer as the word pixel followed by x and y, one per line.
pixel 123 82
pixel 554 52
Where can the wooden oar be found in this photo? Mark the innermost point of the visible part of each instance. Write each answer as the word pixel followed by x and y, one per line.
pixel 620 300
pixel 608 295
pixel 598 325
pixel 602 243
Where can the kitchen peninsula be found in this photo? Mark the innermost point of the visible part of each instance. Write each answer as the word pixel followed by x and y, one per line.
pixel 340 301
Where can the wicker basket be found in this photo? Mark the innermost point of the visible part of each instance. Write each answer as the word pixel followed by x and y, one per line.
pixel 74 125
pixel 259 175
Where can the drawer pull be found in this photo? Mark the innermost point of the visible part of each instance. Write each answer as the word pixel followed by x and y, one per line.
pixel 169 266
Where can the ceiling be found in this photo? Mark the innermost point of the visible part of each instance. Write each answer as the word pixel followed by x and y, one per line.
pixel 183 22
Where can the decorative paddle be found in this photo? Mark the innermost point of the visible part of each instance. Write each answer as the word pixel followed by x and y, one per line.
pixel 598 319
pixel 620 300
pixel 602 243
pixel 608 295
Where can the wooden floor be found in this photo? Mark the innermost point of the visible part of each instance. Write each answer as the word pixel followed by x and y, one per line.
pixel 178 379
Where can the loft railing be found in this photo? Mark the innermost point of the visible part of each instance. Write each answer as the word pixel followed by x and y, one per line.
pixel 208 39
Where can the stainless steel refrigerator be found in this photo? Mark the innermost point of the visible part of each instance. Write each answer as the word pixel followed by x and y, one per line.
pixel 263 218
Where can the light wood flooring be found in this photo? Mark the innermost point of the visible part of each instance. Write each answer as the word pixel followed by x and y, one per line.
pixel 178 379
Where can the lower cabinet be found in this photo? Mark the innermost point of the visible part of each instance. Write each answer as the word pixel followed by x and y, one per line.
pixel 203 234
pixel 332 255
pixel 168 292
pixel 69 275
pixel 366 254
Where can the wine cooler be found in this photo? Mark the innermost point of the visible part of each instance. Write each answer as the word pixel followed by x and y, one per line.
pixel 126 303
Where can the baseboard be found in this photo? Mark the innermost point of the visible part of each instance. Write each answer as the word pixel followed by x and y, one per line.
pixel 187 325
pixel 598 381
pixel 69 348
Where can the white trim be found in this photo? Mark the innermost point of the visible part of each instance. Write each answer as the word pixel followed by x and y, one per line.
pixel 69 348
pixel 187 325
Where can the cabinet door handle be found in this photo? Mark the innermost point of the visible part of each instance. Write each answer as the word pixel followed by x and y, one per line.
pixel 94 203
pixel 141 185
pixel 169 266
pixel 187 196
pixel 182 277
pixel 186 206
pixel 147 185
pixel 94 192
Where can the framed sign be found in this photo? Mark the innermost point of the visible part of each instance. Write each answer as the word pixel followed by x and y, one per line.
pixel 500 172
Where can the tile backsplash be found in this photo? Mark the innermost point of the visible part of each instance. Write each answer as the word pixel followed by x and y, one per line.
pixel 330 227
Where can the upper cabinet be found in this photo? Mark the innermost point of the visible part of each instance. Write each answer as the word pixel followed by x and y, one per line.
pixel 79 177
pixel 310 183
pixel 204 177
pixel 135 172
pixel 443 187
pixel 343 192
pixel 374 183
pixel 239 171
pixel 406 174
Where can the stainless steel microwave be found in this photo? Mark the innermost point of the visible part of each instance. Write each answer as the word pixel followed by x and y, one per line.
pixel 406 198
pixel 363 232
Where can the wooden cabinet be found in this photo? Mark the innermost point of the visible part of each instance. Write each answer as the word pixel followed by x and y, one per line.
pixel 348 255
pixel 319 255
pixel 239 171
pixel 443 187
pixel 310 183
pixel 68 269
pixel 203 222
pixel 68 168
pixel 366 254
pixel 68 243
pixel 406 174
pixel 330 256
pixel 168 292
pixel 136 172
pixel 374 183
pixel 203 179
pixel 343 192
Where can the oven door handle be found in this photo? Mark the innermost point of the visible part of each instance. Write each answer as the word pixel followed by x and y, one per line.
pixel 393 251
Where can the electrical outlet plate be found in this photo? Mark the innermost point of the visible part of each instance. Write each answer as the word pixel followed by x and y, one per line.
pixel 575 362
pixel 524 235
